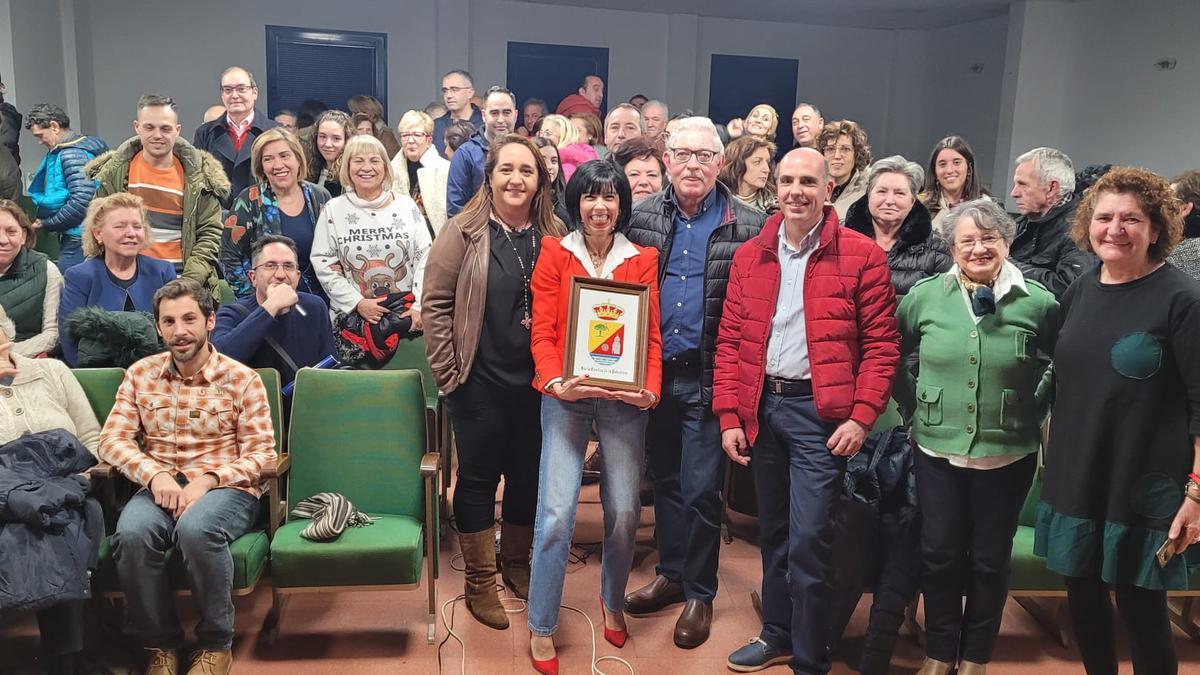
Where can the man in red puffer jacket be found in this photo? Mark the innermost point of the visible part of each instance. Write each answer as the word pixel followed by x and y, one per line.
pixel 806 351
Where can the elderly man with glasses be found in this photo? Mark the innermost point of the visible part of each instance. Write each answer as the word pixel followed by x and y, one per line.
pixel 696 225
pixel 276 327
pixel 230 136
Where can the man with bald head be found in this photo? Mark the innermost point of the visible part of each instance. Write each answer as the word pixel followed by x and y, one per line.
pixel 696 225
pixel 809 308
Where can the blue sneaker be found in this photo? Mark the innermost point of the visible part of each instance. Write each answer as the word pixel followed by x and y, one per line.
pixel 756 656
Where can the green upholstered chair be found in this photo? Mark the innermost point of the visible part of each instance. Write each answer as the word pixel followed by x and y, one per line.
pixel 250 551
pixel 410 354
pixel 361 434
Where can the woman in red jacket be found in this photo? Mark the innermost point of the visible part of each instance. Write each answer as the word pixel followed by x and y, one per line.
pixel 599 203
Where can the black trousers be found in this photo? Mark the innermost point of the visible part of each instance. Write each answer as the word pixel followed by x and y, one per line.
pixel 497 432
pixel 61 628
pixel 969 517
pixel 1144 614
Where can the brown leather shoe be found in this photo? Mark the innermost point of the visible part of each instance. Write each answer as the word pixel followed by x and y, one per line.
pixel 691 630
pixel 208 662
pixel 655 595
pixel 162 662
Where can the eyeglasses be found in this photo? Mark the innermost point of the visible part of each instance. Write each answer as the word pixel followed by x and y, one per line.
pixel 835 150
pixel 989 241
pixel 453 90
pixel 240 89
pixel 683 155
pixel 272 267
pixel 413 135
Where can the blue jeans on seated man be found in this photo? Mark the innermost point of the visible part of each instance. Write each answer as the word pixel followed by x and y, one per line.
pixel 145 531
pixel 566 428
pixel 798 481
pixel 688 468
pixel 70 251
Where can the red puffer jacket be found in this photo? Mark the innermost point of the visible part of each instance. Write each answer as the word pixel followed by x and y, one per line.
pixel 849 314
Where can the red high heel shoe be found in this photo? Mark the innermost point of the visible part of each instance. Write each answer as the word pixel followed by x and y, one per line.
pixel 547 667
pixel 616 638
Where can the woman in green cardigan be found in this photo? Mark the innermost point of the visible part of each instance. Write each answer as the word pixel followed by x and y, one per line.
pixel 981 332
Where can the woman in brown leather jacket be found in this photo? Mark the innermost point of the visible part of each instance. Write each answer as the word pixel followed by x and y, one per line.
pixel 477 309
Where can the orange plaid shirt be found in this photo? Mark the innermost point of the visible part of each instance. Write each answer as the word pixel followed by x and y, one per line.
pixel 218 423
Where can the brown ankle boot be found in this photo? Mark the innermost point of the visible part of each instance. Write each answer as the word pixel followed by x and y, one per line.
pixel 479 556
pixel 515 542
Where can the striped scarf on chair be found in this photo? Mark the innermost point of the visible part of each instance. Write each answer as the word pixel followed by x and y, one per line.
pixel 331 514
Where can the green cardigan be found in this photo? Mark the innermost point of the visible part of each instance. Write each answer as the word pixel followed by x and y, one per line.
pixel 974 389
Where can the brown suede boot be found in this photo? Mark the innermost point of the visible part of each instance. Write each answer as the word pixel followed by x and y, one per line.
pixel 515 542
pixel 208 662
pixel 479 557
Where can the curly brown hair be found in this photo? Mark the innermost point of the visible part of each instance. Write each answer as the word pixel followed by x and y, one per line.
pixel 1153 194
pixel 857 136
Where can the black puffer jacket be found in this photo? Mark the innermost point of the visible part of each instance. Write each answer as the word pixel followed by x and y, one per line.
pixel 50 530
pixel 653 224
pixel 1043 249
pixel 918 252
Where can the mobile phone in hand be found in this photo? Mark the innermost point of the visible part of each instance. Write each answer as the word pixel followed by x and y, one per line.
pixel 1165 553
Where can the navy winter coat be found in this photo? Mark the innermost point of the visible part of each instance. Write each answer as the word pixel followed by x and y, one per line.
pixel 61 189
pixel 466 173
pixel 50 530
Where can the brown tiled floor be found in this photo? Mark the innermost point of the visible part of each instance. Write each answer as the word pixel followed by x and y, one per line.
pixel 384 632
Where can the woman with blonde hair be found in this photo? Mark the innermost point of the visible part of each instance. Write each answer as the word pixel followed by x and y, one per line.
pixel 477 308
pixel 280 202
pixel 370 243
pixel 115 275
pixel 572 150
pixel 420 172
pixel 760 123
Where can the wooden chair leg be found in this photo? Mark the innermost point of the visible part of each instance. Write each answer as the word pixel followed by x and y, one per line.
pixel 271 623
pixel 1051 622
pixel 1183 617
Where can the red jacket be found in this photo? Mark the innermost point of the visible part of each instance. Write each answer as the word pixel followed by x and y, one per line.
pixel 551 288
pixel 849 315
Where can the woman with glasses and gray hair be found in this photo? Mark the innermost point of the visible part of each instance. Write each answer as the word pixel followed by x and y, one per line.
pixel 891 214
pixel 975 414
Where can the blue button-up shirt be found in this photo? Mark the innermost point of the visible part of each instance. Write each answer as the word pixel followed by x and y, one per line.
pixel 682 289
pixel 787 347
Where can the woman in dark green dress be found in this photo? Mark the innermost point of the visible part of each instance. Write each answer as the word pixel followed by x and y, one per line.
pixel 1123 446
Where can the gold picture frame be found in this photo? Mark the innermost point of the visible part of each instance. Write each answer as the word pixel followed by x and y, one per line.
pixel 615 316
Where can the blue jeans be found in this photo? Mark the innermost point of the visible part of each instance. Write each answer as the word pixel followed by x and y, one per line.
pixel 202 535
pixel 688 467
pixel 70 251
pixel 566 427
pixel 798 480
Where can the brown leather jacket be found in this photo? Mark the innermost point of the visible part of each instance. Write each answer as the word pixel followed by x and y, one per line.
pixel 452 300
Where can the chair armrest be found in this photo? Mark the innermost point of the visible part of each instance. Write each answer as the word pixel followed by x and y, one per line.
pixel 430 462
pixel 283 463
pixel 103 470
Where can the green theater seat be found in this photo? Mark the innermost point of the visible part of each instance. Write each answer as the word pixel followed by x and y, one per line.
pixel 250 552
pixel 361 434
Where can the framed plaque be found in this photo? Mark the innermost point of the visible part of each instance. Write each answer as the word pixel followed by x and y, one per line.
pixel 608 333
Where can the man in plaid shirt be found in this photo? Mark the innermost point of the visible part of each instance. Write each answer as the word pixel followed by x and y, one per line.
pixel 204 422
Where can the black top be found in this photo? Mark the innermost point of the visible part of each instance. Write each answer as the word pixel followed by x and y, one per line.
pixel 1127 399
pixel 414 186
pixel 503 357
pixel 125 284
